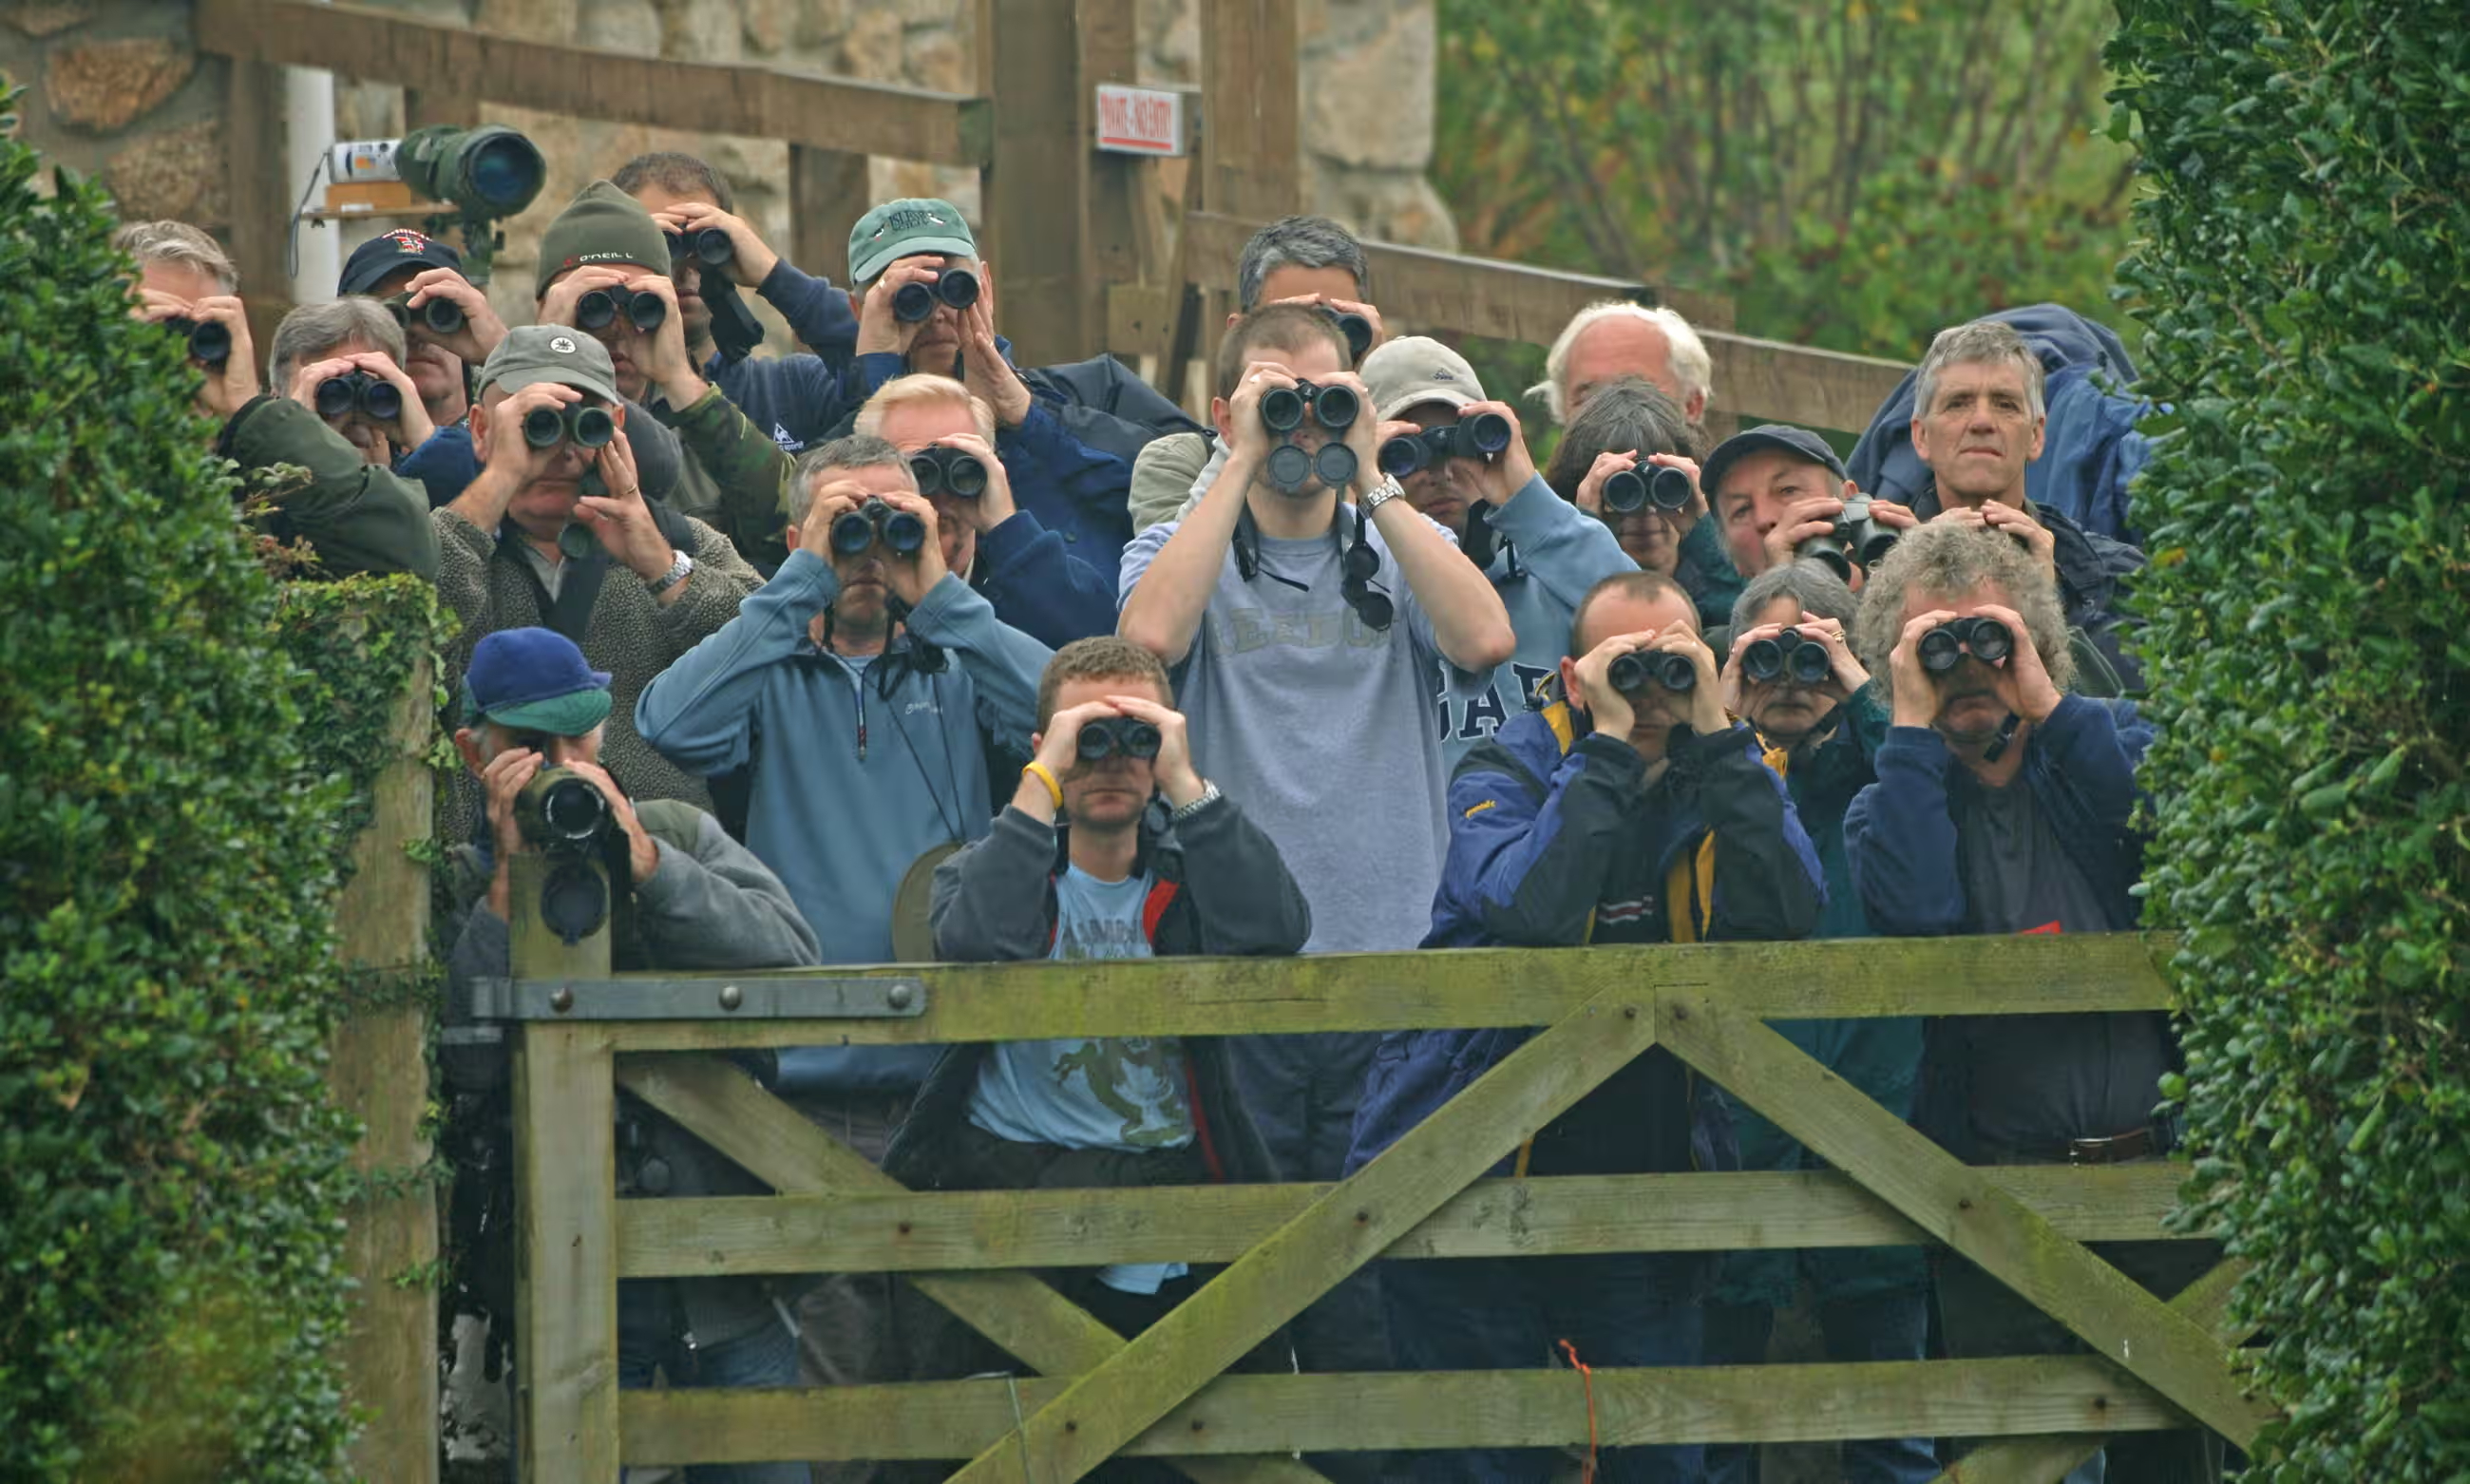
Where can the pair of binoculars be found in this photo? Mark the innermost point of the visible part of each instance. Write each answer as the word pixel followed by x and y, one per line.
pixel 1986 639
pixel 1634 672
pixel 956 287
pixel 709 246
pixel 1856 539
pixel 1805 660
pixel 1283 410
pixel 590 427
pixel 1481 437
pixel 644 308
pixel 954 472
pixel 1116 736
pixel 437 316
pixel 373 397
pixel 1357 328
pixel 853 531
pixel 209 339
pixel 1628 491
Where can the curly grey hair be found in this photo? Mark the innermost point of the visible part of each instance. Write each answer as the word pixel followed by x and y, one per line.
pixel 1981 342
pixel 1952 561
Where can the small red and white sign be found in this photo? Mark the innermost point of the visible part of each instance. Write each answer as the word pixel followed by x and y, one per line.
pixel 1140 120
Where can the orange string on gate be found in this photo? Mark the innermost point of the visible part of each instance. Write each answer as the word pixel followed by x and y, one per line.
pixel 1587 1376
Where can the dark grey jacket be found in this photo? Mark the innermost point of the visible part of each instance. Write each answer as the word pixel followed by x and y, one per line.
pixel 709 905
pixel 1222 889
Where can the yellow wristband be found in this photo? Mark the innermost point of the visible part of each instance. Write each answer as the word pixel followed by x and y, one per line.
pixel 1054 790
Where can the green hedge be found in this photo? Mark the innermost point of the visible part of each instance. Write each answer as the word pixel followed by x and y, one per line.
pixel 175 792
pixel 2304 280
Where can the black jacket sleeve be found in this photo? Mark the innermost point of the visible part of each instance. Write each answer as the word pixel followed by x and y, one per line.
pixel 1768 882
pixel 991 902
pixel 1244 900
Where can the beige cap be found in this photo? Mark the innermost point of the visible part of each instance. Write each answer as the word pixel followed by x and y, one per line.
pixel 1414 370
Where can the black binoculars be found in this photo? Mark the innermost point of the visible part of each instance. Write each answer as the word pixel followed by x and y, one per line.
pixel 590 427
pixel 1628 491
pixel 1633 672
pixel 209 339
pixel 709 246
pixel 1788 654
pixel 1116 736
pixel 560 810
pixel 1988 641
pixel 1479 436
pixel 855 530
pixel 954 472
pixel 1357 328
pixel 597 309
pixel 1856 539
pixel 956 287
pixel 373 397
pixel 1283 410
pixel 439 316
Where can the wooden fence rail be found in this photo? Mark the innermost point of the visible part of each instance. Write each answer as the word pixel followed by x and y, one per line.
pixel 585 1034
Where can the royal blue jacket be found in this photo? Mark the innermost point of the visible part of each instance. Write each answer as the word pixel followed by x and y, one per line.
pixel 1556 839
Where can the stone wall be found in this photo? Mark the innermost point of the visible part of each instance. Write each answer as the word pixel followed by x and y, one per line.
pixel 116 88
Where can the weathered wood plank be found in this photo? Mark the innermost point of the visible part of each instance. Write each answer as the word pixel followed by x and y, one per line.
pixel 379 1072
pixel 1251 140
pixel 1038 182
pixel 2039 1460
pixel 1466 989
pixel 586 82
pixel 827 193
pixel 566 1175
pixel 1332 1237
pixel 1787 1403
pixel 2099 1304
pixel 725 1108
pixel 1577 1213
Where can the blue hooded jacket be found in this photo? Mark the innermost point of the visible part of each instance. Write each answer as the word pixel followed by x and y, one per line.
pixel 856 771
pixel 1556 839
pixel 2090 452
pixel 795 399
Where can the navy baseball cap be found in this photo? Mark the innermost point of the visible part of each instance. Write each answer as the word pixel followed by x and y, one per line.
pixel 1799 441
pixel 534 680
pixel 389 252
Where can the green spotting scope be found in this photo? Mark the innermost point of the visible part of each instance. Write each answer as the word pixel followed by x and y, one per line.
pixel 486 173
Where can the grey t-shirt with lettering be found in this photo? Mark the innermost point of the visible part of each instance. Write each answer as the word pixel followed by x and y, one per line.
pixel 1323 730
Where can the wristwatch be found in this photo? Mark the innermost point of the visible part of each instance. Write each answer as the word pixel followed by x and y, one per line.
pixel 1209 795
pixel 677 573
pixel 1380 494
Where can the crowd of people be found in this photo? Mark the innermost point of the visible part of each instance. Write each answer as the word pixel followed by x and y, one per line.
pixel 1342 671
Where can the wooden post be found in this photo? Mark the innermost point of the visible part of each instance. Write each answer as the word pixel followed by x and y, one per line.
pixel 1122 199
pixel 827 194
pixel 379 1072
pixel 253 135
pixel 1036 184
pixel 565 1213
pixel 1250 140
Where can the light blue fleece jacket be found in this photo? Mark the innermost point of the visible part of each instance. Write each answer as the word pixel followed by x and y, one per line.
pixel 1554 552
pixel 856 769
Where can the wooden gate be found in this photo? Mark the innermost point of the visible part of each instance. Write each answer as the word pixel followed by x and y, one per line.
pixel 585 1034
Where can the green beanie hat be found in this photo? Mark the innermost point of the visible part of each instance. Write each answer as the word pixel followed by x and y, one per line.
pixel 603 225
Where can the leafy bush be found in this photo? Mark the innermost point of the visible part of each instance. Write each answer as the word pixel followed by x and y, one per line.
pixel 2305 282
pixel 171 1291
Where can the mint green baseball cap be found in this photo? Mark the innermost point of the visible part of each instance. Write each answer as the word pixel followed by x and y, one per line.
pixel 906 228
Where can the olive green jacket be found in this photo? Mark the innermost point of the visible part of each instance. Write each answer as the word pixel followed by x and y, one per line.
pixel 357 516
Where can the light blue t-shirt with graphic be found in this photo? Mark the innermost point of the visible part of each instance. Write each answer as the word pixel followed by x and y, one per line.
pixel 1113 1093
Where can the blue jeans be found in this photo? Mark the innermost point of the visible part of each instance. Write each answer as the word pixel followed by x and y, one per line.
pixel 1486 1313
pixel 1885 1326
pixel 651 1335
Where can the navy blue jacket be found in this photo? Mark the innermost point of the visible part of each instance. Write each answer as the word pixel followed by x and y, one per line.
pixel 1037 587
pixel 796 399
pixel 1900 834
pixel 1556 841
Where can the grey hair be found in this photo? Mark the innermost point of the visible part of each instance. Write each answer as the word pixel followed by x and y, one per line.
pixel 1981 342
pixel 1630 416
pixel 308 332
pixel 178 241
pixel 1819 593
pixel 857 450
pixel 1691 365
pixel 1949 562
pixel 1298 241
